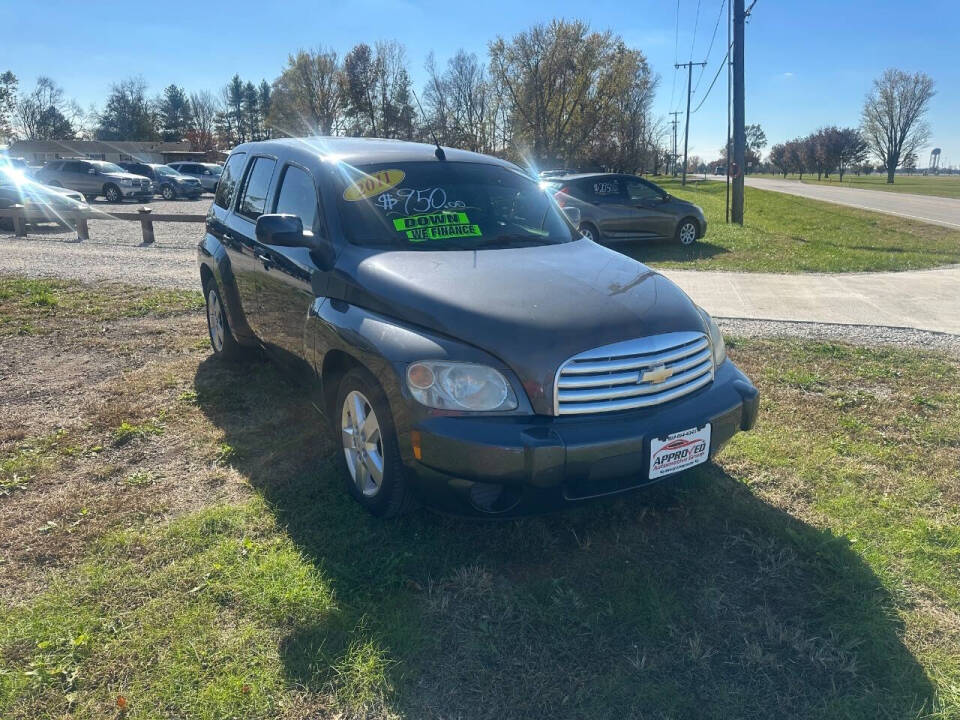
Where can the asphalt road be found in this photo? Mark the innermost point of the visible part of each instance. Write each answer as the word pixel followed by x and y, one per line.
pixel 937 210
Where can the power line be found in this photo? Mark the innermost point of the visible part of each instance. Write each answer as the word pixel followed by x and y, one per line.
pixel 696 22
pixel 676 45
pixel 710 47
pixel 713 82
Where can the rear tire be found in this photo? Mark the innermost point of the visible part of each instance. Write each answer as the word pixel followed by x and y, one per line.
pixel 589 231
pixel 224 345
pixel 687 231
pixel 370 453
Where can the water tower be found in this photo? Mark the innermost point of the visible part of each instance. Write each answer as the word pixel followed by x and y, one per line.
pixel 934 164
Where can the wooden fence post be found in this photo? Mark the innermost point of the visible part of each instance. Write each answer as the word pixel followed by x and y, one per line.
pixel 19 222
pixel 83 232
pixel 146 225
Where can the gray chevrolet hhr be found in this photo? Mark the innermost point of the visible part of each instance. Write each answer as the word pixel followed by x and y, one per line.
pixel 468 346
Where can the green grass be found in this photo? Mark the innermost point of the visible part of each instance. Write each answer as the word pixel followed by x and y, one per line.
pixel 813 573
pixel 938 185
pixel 27 304
pixel 784 233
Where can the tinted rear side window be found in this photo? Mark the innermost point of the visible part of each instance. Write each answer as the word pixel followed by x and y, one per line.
pixel 254 199
pixel 229 180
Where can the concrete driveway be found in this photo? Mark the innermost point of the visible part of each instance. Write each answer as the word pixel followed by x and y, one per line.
pixel 922 299
pixel 937 210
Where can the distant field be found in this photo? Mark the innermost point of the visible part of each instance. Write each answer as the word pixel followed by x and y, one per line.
pixel 938 185
pixel 785 233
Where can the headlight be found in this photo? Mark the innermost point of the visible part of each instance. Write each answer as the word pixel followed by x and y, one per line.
pixel 459 386
pixel 716 339
pixel 126 181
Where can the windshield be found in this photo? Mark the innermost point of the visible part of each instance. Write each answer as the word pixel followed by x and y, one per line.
pixel 108 167
pixel 167 171
pixel 447 206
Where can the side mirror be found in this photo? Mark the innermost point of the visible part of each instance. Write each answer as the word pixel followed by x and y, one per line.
pixel 282 230
pixel 573 215
pixel 287 231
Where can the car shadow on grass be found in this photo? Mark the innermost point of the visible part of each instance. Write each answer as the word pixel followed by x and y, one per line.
pixel 693 598
pixel 659 251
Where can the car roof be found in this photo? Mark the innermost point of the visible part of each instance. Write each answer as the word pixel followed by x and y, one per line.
pixel 582 176
pixel 360 151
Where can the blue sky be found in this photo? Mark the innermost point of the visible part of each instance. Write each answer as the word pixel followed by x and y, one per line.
pixel 809 62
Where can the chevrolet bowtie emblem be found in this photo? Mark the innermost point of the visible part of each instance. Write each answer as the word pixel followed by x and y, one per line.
pixel 657 375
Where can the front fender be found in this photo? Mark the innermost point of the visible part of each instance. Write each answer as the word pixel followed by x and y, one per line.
pixel 385 347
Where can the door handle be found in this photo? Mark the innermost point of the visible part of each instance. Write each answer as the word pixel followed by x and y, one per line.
pixel 267 262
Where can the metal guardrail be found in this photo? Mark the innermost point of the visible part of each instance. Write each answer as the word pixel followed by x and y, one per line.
pixel 145 216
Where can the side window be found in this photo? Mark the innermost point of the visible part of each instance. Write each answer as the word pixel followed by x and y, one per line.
pixel 298 196
pixel 640 191
pixel 604 189
pixel 254 199
pixel 71 167
pixel 229 180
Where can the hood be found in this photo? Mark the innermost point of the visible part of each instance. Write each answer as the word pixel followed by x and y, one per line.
pixel 533 308
pixel 126 176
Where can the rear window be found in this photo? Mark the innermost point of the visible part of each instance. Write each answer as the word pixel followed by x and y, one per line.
pixel 447 205
pixel 228 182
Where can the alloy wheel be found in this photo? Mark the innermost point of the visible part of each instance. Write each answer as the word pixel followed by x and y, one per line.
pixel 587 233
pixel 215 320
pixel 688 233
pixel 362 443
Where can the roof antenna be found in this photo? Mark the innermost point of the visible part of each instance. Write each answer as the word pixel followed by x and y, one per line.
pixel 439 151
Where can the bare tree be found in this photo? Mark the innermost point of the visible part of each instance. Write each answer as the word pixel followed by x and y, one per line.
pixel 45 114
pixel 458 101
pixel 560 80
pixel 377 91
pixel 893 117
pixel 203 115
pixel 307 97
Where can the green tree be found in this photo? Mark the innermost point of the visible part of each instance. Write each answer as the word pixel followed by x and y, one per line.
pixel 377 92
pixel 128 114
pixel 8 100
pixel 175 113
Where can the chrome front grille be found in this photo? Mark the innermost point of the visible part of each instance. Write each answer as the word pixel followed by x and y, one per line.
pixel 633 374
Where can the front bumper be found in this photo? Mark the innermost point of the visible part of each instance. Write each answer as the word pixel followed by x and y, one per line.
pixel 506 465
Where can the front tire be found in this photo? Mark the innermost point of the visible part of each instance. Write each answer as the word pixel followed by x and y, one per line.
pixel 112 194
pixel 168 192
pixel 370 452
pixel 589 231
pixel 687 231
pixel 224 345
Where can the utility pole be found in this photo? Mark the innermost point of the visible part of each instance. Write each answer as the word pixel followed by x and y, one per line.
pixel 686 132
pixel 739 116
pixel 673 158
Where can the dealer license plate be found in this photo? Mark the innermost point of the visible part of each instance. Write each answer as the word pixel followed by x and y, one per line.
pixel 679 451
